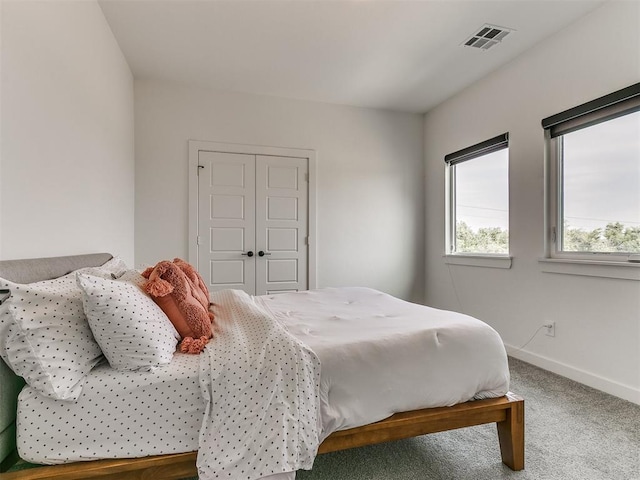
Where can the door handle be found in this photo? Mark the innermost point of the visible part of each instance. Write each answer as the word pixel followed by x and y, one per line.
pixel 248 254
pixel 262 254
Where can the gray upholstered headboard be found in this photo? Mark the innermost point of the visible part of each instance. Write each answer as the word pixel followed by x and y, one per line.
pixel 28 271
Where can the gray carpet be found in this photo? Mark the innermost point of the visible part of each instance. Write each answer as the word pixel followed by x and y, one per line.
pixel 572 432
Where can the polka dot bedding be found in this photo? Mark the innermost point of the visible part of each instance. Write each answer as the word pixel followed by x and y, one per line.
pixel 131 329
pixel 262 392
pixel 44 334
pixel 119 414
pixel 253 373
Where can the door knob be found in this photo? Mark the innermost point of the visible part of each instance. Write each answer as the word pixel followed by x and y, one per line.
pixel 248 254
pixel 262 254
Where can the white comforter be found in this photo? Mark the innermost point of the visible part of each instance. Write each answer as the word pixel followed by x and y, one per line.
pixel 261 390
pixel 381 355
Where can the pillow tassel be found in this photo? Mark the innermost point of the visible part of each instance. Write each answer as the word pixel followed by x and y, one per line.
pixel 193 345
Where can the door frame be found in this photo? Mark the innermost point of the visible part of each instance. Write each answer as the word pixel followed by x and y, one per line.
pixel 196 146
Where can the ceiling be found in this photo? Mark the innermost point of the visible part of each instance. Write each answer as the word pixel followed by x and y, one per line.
pixel 398 55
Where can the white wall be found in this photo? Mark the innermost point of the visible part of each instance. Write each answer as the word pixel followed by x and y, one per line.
pixel 598 319
pixel 67 164
pixel 370 177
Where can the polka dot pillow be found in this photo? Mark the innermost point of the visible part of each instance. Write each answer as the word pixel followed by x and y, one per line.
pixel 44 334
pixel 131 329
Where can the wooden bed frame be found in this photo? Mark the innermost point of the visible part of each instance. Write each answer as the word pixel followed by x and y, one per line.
pixel 507 412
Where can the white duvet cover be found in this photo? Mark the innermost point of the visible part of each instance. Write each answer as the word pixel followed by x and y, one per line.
pixel 379 355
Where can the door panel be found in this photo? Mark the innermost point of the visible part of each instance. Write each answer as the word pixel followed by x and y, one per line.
pixel 226 220
pixel 225 272
pixel 279 208
pixel 281 223
pixel 227 206
pixel 279 271
pixel 282 239
pixel 225 239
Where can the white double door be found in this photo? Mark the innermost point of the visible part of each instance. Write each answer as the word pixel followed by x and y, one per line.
pixel 252 222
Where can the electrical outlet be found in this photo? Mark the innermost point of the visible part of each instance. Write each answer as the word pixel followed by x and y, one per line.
pixel 550 329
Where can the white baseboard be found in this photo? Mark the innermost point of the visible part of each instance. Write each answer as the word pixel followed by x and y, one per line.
pixel 600 383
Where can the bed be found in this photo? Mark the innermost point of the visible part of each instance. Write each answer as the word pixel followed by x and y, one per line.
pixel 310 317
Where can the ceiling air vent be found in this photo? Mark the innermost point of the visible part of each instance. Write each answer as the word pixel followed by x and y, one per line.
pixel 487 37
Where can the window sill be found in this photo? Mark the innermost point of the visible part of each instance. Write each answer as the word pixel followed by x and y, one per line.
pixel 487 261
pixel 591 268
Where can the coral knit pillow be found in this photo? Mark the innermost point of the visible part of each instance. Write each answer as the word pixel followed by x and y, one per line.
pixel 170 308
pixel 182 295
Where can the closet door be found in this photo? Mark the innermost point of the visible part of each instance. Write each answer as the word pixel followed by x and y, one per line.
pixel 226 220
pixel 253 222
pixel 281 224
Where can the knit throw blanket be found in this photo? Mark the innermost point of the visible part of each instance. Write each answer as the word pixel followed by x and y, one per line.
pixel 261 388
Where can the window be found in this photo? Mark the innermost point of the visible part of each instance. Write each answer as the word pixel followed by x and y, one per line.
pixel 478 199
pixel 594 182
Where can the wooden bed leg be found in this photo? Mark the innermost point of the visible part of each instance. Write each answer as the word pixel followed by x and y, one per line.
pixel 511 435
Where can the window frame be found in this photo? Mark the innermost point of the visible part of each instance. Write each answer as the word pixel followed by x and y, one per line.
pixel 496 260
pixel 603 109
